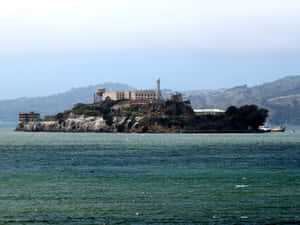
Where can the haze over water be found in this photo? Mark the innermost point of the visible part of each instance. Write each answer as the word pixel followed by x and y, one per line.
pixel 65 178
pixel 48 47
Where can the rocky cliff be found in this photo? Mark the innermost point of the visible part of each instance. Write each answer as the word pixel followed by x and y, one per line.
pixel 71 124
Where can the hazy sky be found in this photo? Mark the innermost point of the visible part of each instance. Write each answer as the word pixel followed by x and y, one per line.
pixel 51 46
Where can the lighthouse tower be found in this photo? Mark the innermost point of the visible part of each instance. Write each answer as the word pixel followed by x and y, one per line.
pixel 158 96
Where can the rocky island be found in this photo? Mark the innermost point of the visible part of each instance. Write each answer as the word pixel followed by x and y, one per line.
pixel 145 111
pixel 146 117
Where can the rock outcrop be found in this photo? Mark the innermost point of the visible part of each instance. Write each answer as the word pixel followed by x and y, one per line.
pixel 152 117
pixel 79 124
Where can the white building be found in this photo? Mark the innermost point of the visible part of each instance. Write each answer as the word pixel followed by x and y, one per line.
pixel 208 111
pixel 148 95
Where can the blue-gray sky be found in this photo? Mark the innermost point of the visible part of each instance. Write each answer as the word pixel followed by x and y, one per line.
pixel 51 46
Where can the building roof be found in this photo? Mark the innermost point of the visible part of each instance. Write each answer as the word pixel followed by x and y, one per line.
pixel 209 111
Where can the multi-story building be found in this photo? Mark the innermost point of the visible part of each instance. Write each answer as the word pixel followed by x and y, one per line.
pixel 144 95
pixel 29 117
pixel 149 95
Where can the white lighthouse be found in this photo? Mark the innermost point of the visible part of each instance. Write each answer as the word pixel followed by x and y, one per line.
pixel 158 94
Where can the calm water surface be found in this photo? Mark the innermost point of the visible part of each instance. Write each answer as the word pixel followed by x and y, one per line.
pixel 63 178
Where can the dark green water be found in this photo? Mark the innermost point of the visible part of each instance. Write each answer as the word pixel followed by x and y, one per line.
pixel 60 178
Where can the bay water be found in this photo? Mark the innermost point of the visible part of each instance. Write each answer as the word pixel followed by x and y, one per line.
pixel 100 178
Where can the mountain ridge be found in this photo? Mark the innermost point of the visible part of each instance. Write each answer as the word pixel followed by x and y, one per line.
pixel 281 109
pixel 281 97
pixel 55 103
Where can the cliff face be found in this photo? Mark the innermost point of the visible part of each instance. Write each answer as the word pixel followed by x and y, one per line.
pixel 72 124
pixel 93 124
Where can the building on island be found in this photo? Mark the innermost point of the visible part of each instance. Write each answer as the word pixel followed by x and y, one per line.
pixel 177 97
pixel 139 95
pixel 200 112
pixel 29 117
pixel 98 95
pixel 117 95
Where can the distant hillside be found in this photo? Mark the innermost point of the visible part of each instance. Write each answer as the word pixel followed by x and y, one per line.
pixel 9 109
pixel 281 97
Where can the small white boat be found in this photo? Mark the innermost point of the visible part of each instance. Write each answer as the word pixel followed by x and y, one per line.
pixel 264 128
